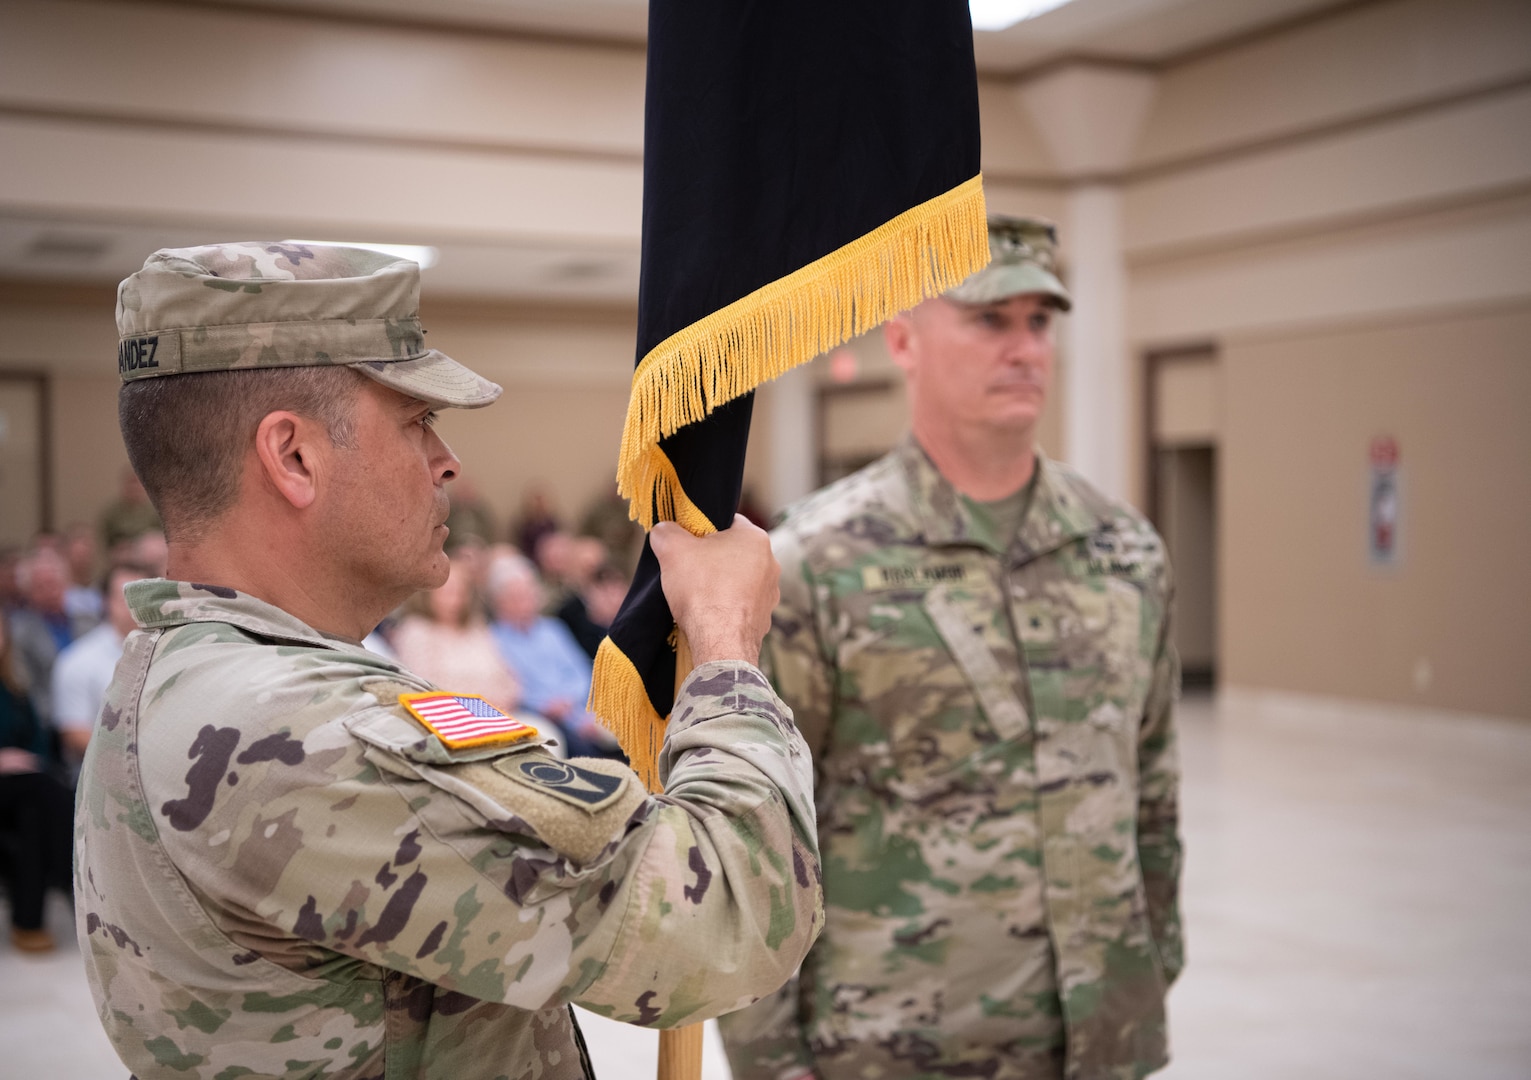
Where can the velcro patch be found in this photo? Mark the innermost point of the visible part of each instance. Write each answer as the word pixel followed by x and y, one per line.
pixel 585 788
pixel 911 577
pixel 464 720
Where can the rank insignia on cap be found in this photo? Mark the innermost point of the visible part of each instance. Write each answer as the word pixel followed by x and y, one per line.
pixel 463 721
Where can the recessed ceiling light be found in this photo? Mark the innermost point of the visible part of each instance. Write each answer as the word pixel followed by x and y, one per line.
pixel 422 254
pixel 1000 14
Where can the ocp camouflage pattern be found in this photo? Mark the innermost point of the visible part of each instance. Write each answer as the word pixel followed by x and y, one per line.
pixel 285 304
pixel 997 784
pixel 281 874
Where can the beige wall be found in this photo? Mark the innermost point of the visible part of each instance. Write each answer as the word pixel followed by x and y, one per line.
pixel 87 453
pixel 1302 609
pixel 1351 244
pixel 565 372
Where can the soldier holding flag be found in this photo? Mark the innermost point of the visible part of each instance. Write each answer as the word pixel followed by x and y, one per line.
pixel 294 858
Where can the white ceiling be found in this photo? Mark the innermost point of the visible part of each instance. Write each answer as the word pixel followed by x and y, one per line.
pixel 1141 30
pixel 1146 31
pixel 95 252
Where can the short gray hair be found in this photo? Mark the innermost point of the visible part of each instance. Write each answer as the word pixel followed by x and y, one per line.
pixel 506 569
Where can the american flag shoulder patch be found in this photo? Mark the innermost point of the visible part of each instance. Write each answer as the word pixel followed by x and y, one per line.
pixel 464 721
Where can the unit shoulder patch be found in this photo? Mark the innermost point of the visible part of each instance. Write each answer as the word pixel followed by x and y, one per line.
pixel 585 788
pixel 464 721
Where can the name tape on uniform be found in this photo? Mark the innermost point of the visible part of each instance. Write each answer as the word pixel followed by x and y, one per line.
pixel 911 577
pixel 585 788
pixel 464 721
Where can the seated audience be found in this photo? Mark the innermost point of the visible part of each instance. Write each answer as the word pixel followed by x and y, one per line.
pixel 553 558
pixel 443 637
pixel 36 809
pixel 470 520
pixel 535 519
pixel 150 551
pixel 82 599
pixel 555 673
pixel 84 668
pixel 10 591
pixel 43 627
pixel 607 520
pixel 128 518
pixel 588 612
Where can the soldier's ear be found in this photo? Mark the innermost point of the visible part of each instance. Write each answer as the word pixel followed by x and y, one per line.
pixel 287 449
pixel 897 333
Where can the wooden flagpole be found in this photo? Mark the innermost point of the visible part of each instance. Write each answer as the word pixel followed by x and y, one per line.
pixel 680 1049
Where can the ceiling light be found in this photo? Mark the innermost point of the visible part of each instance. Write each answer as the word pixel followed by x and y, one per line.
pixel 1000 14
pixel 425 256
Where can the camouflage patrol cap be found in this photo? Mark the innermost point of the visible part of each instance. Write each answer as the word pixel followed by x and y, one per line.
pixel 288 304
pixel 1024 260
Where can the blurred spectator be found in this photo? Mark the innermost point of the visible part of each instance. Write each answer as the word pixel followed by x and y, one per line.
pixel 43 627
pixel 149 551
pixel 380 641
pixel 444 637
pixel 535 520
pixel 553 555
pixel 587 557
pixel 470 521
pixel 36 810
pixel 607 520
pixel 82 599
pixel 555 673
pixel 84 668
pixel 10 591
pixel 129 517
pixel 589 619
pixel 753 512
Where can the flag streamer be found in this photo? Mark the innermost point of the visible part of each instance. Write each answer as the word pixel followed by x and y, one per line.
pixel 918 254
pixel 619 698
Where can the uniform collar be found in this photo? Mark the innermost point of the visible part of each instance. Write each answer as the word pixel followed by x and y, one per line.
pixel 1055 516
pixel 159 604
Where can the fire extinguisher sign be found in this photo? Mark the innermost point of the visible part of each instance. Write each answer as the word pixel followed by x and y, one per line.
pixel 1383 517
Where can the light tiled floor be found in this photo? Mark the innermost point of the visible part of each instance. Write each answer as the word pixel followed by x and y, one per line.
pixel 1358 905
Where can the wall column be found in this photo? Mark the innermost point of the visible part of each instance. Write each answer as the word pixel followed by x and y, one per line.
pixel 793 471
pixel 1090 116
pixel 1096 418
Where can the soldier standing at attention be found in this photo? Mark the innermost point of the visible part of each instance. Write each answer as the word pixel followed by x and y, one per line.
pixel 295 859
pixel 975 643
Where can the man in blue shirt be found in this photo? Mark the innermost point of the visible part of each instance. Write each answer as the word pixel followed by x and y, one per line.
pixel 553 669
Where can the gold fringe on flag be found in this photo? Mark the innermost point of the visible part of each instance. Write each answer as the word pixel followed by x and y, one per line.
pixel 919 254
pixel 619 700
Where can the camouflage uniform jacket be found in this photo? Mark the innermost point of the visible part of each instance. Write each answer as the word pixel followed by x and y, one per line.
pixel 997 782
pixel 280 873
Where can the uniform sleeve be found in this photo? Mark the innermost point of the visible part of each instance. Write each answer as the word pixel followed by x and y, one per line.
pixel 525 880
pixel 1159 802
pixel 794 655
pixel 767 1041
